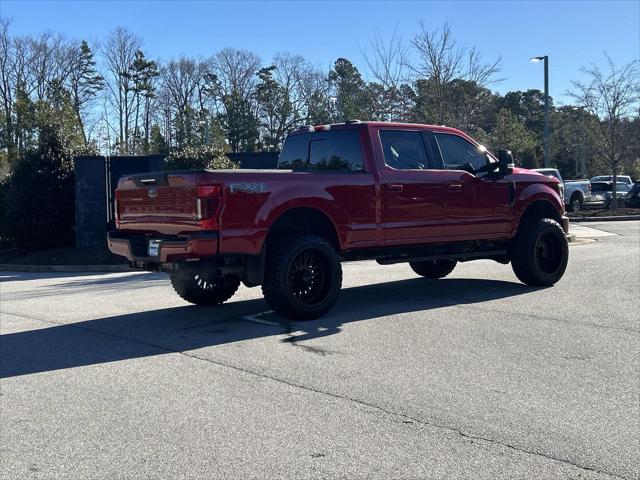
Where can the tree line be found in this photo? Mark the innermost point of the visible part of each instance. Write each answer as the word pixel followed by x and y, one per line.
pixel 109 97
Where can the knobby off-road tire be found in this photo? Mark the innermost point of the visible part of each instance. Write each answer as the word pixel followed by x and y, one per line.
pixel 200 287
pixel 433 268
pixel 303 276
pixel 539 253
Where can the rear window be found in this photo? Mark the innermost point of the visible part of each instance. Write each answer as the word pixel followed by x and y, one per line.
pixel 600 187
pixel 337 150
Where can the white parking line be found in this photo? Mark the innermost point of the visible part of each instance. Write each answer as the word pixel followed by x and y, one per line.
pixel 589 232
pixel 255 319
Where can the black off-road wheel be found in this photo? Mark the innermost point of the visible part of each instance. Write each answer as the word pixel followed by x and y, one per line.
pixel 539 253
pixel 433 268
pixel 303 276
pixel 575 204
pixel 201 287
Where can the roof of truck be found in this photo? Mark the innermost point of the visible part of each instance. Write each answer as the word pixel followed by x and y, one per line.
pixel 354 124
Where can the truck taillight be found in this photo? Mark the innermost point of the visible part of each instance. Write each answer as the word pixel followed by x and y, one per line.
pixel 208 203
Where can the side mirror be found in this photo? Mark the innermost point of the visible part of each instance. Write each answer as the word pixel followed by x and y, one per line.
pixel 505 161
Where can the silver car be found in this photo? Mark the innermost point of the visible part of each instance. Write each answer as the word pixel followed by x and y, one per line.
pixel 602 194
pixel 609 178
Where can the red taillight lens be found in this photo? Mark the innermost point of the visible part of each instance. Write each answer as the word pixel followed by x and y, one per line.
pixel 208 205
pixel 209 191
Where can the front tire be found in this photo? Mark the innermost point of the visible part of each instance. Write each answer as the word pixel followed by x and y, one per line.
pixel 433 268
pixel 540 253
pixel 200 287
pixel 303 277
pixel 575 204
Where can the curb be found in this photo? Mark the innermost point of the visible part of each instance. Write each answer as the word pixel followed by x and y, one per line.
pixel 605 219
pixel 65 268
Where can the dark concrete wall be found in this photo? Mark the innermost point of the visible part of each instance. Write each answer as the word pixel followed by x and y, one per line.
pixel 91 201
pixel 96 180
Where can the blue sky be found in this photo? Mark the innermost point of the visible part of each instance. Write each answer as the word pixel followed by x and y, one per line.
pixel 572 33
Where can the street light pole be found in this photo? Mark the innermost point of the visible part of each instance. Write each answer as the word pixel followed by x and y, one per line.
pixel 545 58
pixel 583 142
pixel 547 159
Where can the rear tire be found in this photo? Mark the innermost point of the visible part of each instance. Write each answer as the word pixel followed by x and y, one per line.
pixel 433 268
pixel 539 253
pixel 200 287
pixel 303 277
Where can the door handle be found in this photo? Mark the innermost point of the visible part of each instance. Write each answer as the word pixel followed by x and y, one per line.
pixel 395 187
pixel 455 187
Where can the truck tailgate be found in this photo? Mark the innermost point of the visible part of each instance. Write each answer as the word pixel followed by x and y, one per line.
pixel 165 203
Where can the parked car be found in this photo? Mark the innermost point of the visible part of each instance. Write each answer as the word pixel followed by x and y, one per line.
pixel 609 178
pixel 602 194
pixel 422 194
pixel 576 194
pixel 552 172
pixel 633 197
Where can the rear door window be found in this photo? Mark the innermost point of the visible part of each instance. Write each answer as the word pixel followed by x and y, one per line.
pixel 337 150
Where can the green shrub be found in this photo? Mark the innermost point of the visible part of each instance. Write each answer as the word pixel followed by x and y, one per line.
pixel 205 156
pixel 38 208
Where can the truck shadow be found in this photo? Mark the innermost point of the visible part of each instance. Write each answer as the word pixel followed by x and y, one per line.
pixel 186 328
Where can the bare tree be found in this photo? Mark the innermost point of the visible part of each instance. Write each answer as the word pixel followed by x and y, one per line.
pixel 119 52
pixel 441 61
pixel 6 84
pixel 484 74
pixel 317 96
pixel 235 71
pixel 387 64
pixel 281 96
pixel 611 94
pixel 182 81
pixel 50 61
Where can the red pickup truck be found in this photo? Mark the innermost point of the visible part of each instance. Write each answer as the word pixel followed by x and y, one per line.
pixel 427 195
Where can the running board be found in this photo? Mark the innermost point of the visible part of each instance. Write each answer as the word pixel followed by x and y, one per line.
pixel 462 256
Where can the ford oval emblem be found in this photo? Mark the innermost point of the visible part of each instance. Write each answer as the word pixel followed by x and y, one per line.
pixel 152 193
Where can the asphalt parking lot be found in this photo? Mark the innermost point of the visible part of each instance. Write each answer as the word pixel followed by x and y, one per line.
pixel 473 376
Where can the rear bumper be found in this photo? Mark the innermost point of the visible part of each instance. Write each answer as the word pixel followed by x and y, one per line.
pixel 565 224
pixel 171 249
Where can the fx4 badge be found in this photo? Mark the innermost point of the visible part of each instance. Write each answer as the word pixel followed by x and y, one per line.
pixel 248 187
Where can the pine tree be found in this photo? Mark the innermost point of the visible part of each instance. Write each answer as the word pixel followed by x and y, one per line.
pixel 144 72
pixel 84 82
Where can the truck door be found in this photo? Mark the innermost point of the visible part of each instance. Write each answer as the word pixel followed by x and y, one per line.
pixel 476 206
pixel 410 187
